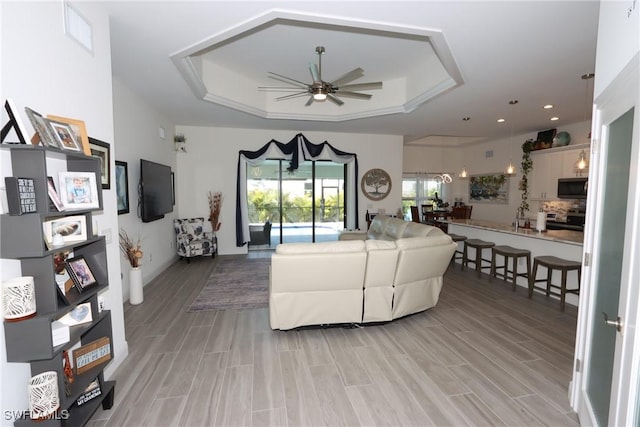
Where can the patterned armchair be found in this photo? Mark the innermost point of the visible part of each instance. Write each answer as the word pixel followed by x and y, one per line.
pixel 192 240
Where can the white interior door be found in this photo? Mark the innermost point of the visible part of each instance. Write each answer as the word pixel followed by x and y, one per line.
pixel 606 382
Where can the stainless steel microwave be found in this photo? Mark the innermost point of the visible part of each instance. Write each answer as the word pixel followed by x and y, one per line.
pixel 572 188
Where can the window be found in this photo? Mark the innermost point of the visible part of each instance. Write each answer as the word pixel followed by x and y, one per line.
pixel 419 189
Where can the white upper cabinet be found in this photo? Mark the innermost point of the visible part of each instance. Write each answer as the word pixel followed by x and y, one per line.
pixel 550 165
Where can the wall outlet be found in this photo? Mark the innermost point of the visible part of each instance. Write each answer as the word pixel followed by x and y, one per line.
pixel 100 303
pixel 150 257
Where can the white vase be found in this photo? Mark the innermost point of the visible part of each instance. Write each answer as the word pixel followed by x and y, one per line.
pixel 136 295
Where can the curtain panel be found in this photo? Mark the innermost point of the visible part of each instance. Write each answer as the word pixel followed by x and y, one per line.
pixel 291 151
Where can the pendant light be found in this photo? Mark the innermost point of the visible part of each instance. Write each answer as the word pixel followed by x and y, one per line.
pixel 511 170
pixel 582 164
pixel 463 174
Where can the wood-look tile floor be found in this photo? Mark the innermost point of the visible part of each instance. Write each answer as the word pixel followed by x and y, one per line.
pixel 483 356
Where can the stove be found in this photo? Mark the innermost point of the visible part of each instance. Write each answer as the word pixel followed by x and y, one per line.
pixel 575 221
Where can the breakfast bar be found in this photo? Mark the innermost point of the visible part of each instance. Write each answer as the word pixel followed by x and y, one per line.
pixel 564 244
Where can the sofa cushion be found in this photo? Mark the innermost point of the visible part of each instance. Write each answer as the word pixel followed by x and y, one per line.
pixel 394 229
pixel 417 230
pixel 373 245
pixel 343 246
pixel 417 242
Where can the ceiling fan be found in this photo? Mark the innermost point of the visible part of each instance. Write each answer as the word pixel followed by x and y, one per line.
pixel 320 90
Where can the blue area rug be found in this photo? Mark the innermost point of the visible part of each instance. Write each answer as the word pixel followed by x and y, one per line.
pixel 235 283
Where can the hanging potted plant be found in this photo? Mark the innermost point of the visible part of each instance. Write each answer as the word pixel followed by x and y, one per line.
pixel 525 167
pixel 215 205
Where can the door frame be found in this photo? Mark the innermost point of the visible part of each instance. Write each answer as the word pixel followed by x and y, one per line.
pixel 618 98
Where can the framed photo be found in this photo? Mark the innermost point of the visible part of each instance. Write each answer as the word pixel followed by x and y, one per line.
pixel 80 273
pixel 100 150
pixel 54 198
pixel 64 135
pixel 78 190
pixel 489 188
pixel 375 184
pixel 122 187
pixel 70 228
pixel 43 132
pixel 79 315
pixel 15 121
pixel 79 130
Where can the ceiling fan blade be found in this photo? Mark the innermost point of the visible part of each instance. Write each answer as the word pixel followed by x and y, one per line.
pixel 278 89
pixel 287 79
pixel 293 95
pixel 334 99
pixel 309 102
pixel 362 86
pixel 315 75
pixel 350 94
pixel 351 75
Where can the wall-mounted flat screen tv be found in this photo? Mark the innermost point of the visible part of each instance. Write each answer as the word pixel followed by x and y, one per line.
pixel 156 190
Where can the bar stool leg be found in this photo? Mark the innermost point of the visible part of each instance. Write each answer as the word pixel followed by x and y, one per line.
pixel 532 277
pixel 549 274
pixel 515 271
pixel 563 288
pixel 492 273
pixel 478 261
pixel 465 257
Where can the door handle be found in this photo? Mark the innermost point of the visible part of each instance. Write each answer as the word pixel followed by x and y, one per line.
pixel 617 323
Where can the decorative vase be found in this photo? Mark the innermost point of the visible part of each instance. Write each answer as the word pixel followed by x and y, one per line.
pixel 136 295
pixel 44 400
pixel 18 299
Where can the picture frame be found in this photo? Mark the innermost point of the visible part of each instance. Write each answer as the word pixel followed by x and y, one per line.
pixel 79 129
pixel 70 228
pixel 80 314
pixel 91 392
pixel 489 188
pixel 78 190
pixel 63 135
pixel 101 150
pixel 79 271
pixel 91 355
pixel 43 133
pixel 122 187
pixel 375 184
pixel 15 122
pixel 54 197
pixel 21 195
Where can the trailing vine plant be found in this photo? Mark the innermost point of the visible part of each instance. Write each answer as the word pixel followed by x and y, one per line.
pixel 525 167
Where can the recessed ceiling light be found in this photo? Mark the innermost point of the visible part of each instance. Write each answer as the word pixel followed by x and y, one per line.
pixel 553 119
pixel 501 120
pixel 548 106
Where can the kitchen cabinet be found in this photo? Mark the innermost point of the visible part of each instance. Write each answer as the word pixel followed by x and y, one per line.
pixel 30 340
pixel 548 166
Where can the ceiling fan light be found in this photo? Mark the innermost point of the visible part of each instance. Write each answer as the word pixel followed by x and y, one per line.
pixel 319 96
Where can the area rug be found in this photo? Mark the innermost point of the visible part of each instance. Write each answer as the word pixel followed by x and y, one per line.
pixel 235 283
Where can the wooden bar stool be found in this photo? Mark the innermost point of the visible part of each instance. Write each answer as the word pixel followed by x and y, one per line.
pixel 554 263
pixel 457 238
pixel 479 246
pixel 513 253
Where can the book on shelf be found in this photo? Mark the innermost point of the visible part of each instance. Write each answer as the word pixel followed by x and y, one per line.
pixel 59 333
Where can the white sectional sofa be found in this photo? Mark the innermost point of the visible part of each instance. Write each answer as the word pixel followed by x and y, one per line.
pixel 396 271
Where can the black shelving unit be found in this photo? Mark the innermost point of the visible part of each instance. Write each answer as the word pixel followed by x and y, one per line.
pixel 30 340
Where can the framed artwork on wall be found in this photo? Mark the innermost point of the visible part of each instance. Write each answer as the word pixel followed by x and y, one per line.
pixel 122 187
pixel 100 150
pixel 375 184
pixel 489 188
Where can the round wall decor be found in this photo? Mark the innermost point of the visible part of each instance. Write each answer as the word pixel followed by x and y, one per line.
pixel 376 184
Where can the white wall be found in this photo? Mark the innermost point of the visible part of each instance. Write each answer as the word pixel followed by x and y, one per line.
pixel 48 71
pixel 475 158
pixel 210 164
pixel 618 40
pixel 137 136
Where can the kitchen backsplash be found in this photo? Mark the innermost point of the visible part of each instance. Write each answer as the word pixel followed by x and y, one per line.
pixel 562 207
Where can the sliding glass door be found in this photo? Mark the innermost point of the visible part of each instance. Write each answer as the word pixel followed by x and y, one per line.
pixel 306 205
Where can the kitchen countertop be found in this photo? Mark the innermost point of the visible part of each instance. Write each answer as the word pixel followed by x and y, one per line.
pixel 563 236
